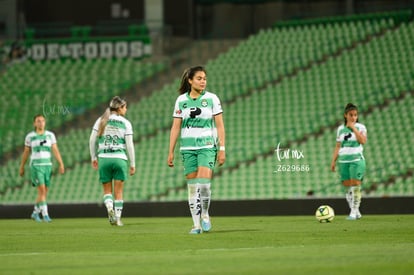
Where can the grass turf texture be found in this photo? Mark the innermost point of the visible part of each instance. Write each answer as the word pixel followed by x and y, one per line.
pixel 380 244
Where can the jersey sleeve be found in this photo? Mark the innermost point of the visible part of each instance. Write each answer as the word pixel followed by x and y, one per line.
pixel 27 141
pixel 216 106
pixel 92 145
pixel 178 113
pixel 53 138
pixel 128 131
pixel 130 150
pixel 363 129
pixel 338 137
pixel 96 125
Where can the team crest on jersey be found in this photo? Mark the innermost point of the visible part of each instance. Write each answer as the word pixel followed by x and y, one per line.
pixel 204 103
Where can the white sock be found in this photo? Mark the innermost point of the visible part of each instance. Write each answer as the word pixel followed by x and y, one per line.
pixel 194 203
pixel 108 201
pixel 356 197
pixel 205 197
pixel 43 208
pixel 353 197
pixel 36 209
pixel 349 197
pixel 119 205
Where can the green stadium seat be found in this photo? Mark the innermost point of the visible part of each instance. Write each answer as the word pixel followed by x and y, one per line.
pixel 363 60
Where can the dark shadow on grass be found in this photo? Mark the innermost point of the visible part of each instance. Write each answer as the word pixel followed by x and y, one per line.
pixel 134 224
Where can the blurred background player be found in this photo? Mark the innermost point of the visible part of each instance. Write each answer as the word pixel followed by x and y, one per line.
pixel 115 139
pixel 198 120
pixel 349 152
pixel 40 143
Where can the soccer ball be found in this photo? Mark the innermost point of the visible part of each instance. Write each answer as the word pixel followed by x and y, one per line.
pixel 324 213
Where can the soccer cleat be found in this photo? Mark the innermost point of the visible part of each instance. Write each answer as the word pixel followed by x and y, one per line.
pixel 354 216
pixel 47 219
pixel 111 217
pixel 206 225
pixel 195 231
pixel 351 218
pixel 35 217
pixel 119 222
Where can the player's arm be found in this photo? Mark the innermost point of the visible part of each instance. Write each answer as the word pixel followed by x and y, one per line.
pixel 361 136
pixel 58 157
pixel 131 153
pixel 92 149
pixel 174 134
pixel 25 156
pixel 221 156
pixel 335 156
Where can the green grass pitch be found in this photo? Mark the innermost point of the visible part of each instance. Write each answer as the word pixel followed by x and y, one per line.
pixel 376 244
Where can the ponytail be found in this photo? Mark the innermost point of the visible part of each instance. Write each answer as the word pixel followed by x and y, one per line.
pixel 103 122
pixel 114 105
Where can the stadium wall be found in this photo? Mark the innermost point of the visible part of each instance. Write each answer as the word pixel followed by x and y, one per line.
pixel 369 206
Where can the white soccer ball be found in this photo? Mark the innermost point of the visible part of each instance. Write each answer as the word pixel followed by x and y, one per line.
pixel 324 213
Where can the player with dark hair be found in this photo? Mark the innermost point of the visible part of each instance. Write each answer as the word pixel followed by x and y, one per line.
pixel 349 152
pixel 198 121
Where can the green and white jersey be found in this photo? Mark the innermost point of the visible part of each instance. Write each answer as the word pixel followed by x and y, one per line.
pixel 198 129
pixel 41 147
pixel 112 142
pixel 351 150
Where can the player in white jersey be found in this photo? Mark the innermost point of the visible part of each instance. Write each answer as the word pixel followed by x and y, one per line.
pixel 349 152
pixel 115 141
pixel 40 144
pixel 198 121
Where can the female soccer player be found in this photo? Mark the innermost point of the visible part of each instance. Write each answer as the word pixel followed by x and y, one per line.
pixel 115 139
pixel 198 120
pixel 41 143
pixel 348 151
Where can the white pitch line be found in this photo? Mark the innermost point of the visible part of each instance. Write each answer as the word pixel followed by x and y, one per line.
pixel 21 254
pixel 232 249
pixel 187 250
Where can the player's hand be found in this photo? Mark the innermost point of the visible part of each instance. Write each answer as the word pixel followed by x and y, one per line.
pixel 61 169
pixel 131 171
pixel 221 157
pixel 170 160
pixel 95 164
pixel 21 171
pixel 350 124
pixel 333 164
